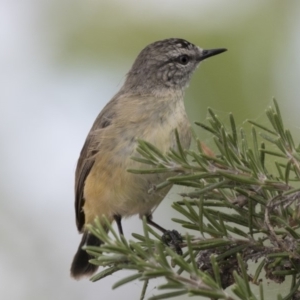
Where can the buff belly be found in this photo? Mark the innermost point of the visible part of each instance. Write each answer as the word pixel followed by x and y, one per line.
pixel 111 190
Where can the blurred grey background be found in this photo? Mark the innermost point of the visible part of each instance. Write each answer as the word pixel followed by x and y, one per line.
pixel 60 63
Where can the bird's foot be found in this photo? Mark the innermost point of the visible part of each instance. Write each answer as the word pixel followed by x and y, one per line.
pixel 173 239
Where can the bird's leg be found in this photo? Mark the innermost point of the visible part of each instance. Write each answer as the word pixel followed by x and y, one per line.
pixel 155 225
pixel 170 237
pixel 118 219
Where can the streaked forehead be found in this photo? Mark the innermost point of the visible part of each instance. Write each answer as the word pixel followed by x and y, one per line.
pixel 167 48
pixel 183 44
pixel 174 43
pixel 171 47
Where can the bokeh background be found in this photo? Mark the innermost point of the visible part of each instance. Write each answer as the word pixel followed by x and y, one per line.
pixel 62 60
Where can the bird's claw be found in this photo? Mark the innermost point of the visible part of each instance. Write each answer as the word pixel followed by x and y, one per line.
pixel 173 239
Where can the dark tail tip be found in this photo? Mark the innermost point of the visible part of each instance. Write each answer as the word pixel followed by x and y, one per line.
pixel 80 265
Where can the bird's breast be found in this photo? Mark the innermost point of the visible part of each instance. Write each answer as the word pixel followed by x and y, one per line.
pixel 117 191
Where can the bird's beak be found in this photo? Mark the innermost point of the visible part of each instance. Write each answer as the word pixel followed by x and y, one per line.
pixel 211 52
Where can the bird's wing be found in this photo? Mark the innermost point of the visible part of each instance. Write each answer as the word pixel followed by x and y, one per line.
pixel 86 159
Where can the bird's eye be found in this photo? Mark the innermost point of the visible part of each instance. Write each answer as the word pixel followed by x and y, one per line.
pixel 183 59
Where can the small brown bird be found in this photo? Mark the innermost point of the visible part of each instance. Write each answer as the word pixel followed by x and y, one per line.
pixel 149 106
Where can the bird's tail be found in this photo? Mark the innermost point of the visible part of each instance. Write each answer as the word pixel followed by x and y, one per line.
pixel 80 265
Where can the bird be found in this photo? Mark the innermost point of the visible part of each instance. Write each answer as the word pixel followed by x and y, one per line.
pixel 149 106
